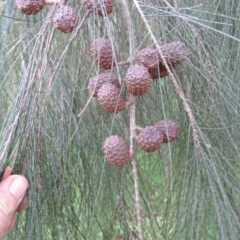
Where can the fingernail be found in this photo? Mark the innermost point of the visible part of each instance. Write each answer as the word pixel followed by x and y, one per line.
pixel 18 187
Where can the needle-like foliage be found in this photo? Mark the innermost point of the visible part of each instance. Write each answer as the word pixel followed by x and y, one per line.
pixel 52 130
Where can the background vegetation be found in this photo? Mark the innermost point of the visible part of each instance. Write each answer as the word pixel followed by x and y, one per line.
pixel 189 189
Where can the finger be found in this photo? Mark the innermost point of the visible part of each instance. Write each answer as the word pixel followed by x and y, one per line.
pixel 7 172
pixel 23 204
pixel 11 226
pixel 12 191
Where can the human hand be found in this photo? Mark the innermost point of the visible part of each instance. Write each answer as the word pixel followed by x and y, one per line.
pixel 12 192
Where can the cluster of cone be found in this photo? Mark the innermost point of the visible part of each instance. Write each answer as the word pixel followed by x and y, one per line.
pixel 65 17
pixel 149 139
pixel 107 89
pixel 106 86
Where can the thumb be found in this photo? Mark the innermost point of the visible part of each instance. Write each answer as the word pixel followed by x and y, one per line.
pixel 12 191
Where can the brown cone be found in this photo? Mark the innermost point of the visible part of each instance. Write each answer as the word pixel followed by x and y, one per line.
pixel 96 82
pixel 116 151
pixel 65 19
pixel 170 130
pixel 137 80
pixel 150 139
pixel 103 53
pixel 110 98
pixel 99 7
pixel 30 6
pixel 174 52
pixel 148 57
pixel 160 71
pixel 152 61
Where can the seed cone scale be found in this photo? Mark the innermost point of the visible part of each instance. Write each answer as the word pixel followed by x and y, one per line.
pixel 103 53
pixel 99 7
pixel 116 151
pixel 169 128
pixel 96 82
pixel 137 80
pixel 150 139
pixel 110 98
pixel 30 6
pixel 65 19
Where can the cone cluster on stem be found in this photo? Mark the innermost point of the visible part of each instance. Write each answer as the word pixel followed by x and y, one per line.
pixel 65 17
pixel 107 85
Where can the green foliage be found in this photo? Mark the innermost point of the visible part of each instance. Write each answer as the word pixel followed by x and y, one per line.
pixel 188 191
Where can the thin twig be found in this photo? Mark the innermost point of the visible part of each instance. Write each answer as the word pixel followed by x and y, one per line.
pixel 127 18
pixel 134 166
